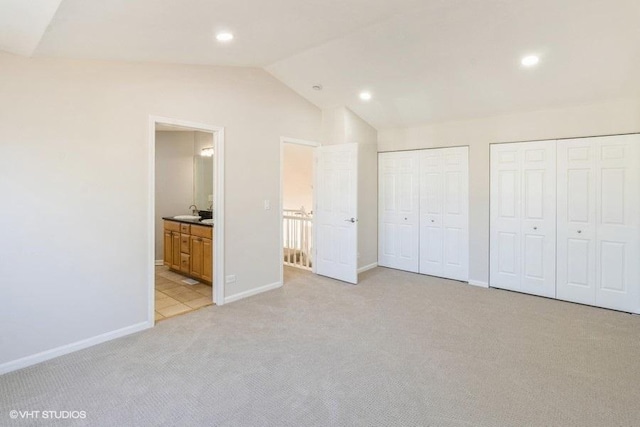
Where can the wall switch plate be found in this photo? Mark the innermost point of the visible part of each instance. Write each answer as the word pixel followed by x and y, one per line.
pixel 230 278
pixel 267 205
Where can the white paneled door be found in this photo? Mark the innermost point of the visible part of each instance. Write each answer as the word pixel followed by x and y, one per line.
pixel 599 221
pixel 444 212
pixel 523 217
pixel 336 212
pixel 398 210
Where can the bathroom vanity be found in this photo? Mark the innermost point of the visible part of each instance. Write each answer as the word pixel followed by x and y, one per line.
pixel 188 248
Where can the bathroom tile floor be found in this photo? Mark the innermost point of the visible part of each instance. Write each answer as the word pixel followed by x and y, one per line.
pixel 173 297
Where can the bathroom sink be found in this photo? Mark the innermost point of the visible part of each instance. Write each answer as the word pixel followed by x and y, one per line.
pixel 187 217
pixel 207 221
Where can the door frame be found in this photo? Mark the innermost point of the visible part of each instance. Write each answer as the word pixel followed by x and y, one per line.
pixel 218 182
pixel 313 144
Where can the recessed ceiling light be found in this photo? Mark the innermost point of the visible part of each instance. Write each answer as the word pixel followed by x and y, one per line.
pixel 365 96
pixel 530 60
pixel 224 37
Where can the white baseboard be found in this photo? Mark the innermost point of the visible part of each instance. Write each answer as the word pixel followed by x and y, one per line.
pixel 479 283
pixel 159 262
pixel 367 267
pixel 252 292
pixel 34 359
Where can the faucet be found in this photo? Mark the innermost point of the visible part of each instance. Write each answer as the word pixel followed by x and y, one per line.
pixel 194 211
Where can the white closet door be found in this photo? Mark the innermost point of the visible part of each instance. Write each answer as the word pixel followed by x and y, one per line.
pixel 576 280
pixel 599 224
pixel 538 228
pixel 505 255
pixel 398 210
pixel 523 217
pixel 444 212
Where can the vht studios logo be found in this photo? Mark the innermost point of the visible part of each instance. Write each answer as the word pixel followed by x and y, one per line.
pixel 50 415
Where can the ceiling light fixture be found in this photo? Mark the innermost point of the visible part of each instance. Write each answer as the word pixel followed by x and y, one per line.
pixel 365 96
pixel 224 37
pixel 207 152
pixel 530 60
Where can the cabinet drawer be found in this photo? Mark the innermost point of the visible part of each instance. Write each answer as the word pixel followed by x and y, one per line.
pixel 201 231
pixel 185 263
pixel 184 228
pixel 184 243
pixel 171 226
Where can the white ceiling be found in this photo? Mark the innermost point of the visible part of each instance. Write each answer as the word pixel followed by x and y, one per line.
pixel 424 60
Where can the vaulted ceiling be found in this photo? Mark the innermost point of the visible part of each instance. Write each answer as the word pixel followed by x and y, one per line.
pixel 423 60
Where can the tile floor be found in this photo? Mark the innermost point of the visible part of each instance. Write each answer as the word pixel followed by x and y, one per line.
pixel 174 297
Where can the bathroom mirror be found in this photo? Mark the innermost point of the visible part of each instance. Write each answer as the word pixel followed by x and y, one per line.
pixel 203 181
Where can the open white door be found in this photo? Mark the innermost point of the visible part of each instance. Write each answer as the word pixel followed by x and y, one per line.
pixel 337 212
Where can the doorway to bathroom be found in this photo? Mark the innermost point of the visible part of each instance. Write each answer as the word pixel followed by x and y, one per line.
pixel 186 217
pixel 297 205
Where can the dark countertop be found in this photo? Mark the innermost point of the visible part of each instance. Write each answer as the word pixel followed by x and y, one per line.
pixel 187 221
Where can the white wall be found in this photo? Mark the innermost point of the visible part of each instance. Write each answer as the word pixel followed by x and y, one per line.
pixel 343 126
pixel 174 179
pixel 75 180
pixel 612 117
pixel 297 176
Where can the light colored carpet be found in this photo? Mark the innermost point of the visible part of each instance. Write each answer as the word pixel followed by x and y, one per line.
pixel 398 349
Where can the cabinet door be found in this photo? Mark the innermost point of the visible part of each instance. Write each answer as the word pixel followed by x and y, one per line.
pixel 175 250
pixel 167 248
pixel 196 256
pixel 207 260
pixel 398 210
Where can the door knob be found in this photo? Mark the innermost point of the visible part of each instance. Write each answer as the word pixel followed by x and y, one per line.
pixel 579 231
pixel 433 220
pixel 352 220
pixel 535 228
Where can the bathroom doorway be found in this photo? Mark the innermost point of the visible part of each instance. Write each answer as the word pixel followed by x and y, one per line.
pixel 187 221
pixel 297 206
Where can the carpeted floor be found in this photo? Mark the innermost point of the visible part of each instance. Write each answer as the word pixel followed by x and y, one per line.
pixel 397 349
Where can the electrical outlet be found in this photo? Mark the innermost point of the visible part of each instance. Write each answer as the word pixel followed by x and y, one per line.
pixel 267 204
pixel 230 278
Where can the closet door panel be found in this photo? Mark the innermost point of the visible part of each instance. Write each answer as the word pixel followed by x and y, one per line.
pixel 505 242
pixel 398 211
pixel 444 212
pixel 617 222
pixel 432 196
pixel 523 217
pixel 456 213
pixel 539 218
pixel 576 277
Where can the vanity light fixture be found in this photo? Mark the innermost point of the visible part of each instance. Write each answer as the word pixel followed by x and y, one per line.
pixel 530 60
pixel 365 96
pixel 224 37
pixel 207 152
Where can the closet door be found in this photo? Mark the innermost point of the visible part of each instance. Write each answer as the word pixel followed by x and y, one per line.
pixel 576 280
pixel 444 212
pixel 538 226
pixel 523 217
pixel 398 210
pixel 598 221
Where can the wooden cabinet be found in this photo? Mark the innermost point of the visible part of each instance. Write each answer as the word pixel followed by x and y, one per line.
pixel 188 250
